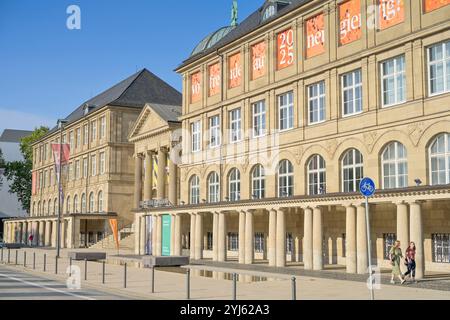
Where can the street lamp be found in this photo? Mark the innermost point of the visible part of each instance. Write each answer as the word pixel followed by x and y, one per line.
pixel 61 124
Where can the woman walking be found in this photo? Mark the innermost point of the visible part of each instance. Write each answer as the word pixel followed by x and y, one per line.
pixel 396 255
pixel 411 261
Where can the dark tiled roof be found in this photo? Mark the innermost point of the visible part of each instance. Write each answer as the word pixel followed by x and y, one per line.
pixel 136 91
pixel 167 112
pixel 10 135
pixel 251 23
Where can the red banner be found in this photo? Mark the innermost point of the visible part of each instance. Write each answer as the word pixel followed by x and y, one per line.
pixel 431 5
pixel 350 21
pixel 315 36
pixel 259 60
pixel 285 54
pixel 235 70
pixel 115 230
pixel 214 79
pixel 392 12
pixel 196 87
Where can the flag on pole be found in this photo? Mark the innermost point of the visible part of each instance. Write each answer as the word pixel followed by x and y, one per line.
pixel 115 231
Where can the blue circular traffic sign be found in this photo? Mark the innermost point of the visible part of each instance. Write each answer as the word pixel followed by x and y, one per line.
pixel 367 187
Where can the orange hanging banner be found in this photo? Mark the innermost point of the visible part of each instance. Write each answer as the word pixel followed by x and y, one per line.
pixel 115 230
pixel 315 35
pixel 392 12
pixel 234 70
pixel 196 87
pixel 258 60
pixel 350 21
pixel 285 54
pixel 431 5
pixel 214 79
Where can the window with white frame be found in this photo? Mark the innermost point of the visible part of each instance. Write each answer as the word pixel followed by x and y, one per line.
pixel 86 134
pixel 100 201
pixel 77 169
pixel 91 202
pixel 71 140
pixel 395 166
pixel 93 166
pixel 102 127
pixel 235 125
pixel 234 185
pixel 316 175
pixel 233 241
pixel 67 205
pixel 259 119
pixel 352 92
pixel 71 175
pixel 196 136
pixel 75 204
pixel 78 139
pixel 102 163
pixel 393 81
pixel 83 203
pixel 94 130
pixel 286 111
pixel 439 68
pixel 258 182
pixel 194 187
pixel 259 242
pixel 285 179
pixel 441 248
pixel 214 132
pixel 213 188
pixel 316 102
pixel 440 160
pixel 85 168
pixel 352 170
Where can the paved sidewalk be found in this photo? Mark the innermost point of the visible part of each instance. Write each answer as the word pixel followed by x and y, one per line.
pixel 172 285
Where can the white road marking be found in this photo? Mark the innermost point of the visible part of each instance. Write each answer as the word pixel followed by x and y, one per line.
pixel 46 288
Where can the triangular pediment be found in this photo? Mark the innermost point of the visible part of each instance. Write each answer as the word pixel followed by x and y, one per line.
pixel 148 122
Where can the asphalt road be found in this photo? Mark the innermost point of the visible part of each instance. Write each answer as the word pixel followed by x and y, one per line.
pixel 16 285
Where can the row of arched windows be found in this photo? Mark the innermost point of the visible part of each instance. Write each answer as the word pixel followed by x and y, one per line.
pixel 394 172
pixel 71 206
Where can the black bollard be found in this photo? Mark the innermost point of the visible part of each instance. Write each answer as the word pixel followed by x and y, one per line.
pixel 294 289
pixel 188 284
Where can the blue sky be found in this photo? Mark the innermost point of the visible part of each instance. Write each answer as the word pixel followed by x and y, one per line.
pixel 47 70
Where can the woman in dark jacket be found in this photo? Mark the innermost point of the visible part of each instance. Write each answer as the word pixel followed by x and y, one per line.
pixel 411 261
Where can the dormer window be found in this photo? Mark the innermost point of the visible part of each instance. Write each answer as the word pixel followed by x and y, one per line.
pixel 272 7
pixel 269 12
pixel 88 108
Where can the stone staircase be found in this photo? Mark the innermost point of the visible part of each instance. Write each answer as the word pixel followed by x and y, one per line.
pixel 126 242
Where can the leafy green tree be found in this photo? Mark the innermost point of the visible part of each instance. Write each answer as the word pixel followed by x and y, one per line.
pixel 19 172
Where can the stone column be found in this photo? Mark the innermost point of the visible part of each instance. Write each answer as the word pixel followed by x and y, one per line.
pixel 317 239
pixel 281 238
pixel 173 173
pixel 172 235
pixel 242 237
pixel 148 179
pixel 41 233
pixel 142 235
pixel 215 236
pixel 177 245
pixel 35 233
pixel 154 234
pixel 192 237
pixel 19 232
pixel 361 240
pixel 272 238
pixel 222 238
pixel 158 236
pixel 350 239
pixel 54 231
pixel 416 234
pixel 69 235
pixel 30 231
pixel 76 232
pixel 198 248
pixel 161 183
pixel 403 229
pixel 63 234
pixel 137 181
pixel 24 233
pixel 249 237
pixel 48 233
pixel 137 234
pixel 308 239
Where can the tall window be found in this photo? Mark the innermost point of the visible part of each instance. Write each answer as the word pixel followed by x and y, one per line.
pixel 78 140
pixel 395 166
pixel 49 209
pixel 439 68
pixel 91 202
pixel 316 175
pixel 259 119
pixel 389 241
pixel 289 243
pixel 196 136
pixel 194 187
pixel 77 169
pixel 393 81
pixel 213 188
pixel 75 204
pixel 93 130
pixel 83 203
pixel 55 206
pixel 440 160
pixel 44 208
pixel 233 241
pixel 285 179
pixel 71 141
pixel 68 205
pixel 86 134
pixel 259 242
pixel 94 165
pixel 316 102
pixel 258 182
pixel 102 163
pixel 214 132
pixel 234 185
pixel 102 127
pixel 352 93
pixel 286 111
pixel 100 201
pixel 235 125
pixel 352 170
pixel 441 248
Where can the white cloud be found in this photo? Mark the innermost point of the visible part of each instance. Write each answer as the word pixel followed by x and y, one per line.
pixel 12 119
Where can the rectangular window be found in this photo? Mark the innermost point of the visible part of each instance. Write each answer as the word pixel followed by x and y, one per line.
pixel 259 119
pixel 78 140
pixel 209 241
pixel 77 169
pixel 289 243
pixel 102 127
pixel 93 130
pixel 388 241
pixel 393 81
pixel 64 139
pixel 439 68
pixel 196 136
pixel 441 248
pixel 233 241
pixel 235 126
pixel 94 165
pixel 259 242
pixel 85 168
pixel 214 132
pixel 102 163
pixel 286 111
pixel 50 177
pixel 86 134
pixel 70 171
pixel 352 93
pixel 45 152
pixel 316 102
pixel 71 140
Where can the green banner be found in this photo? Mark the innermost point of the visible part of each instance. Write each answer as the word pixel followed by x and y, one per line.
pixel 166 235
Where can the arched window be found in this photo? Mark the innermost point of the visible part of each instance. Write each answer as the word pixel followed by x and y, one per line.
pixel 55 206
pixel 258 182
pixel 34 208
pixel 75 204
pixel 234 185
pixel 194 190
pixel 100 201
pixel 317 177
pixel 213 188
pixel 49 207
pixel 285 179
pixel 44 209
pixel 352 170
pixel 91 202
pixel 395 166
pixel 83 203
pixel 440 160
pixel 39 208
pixel 68 205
